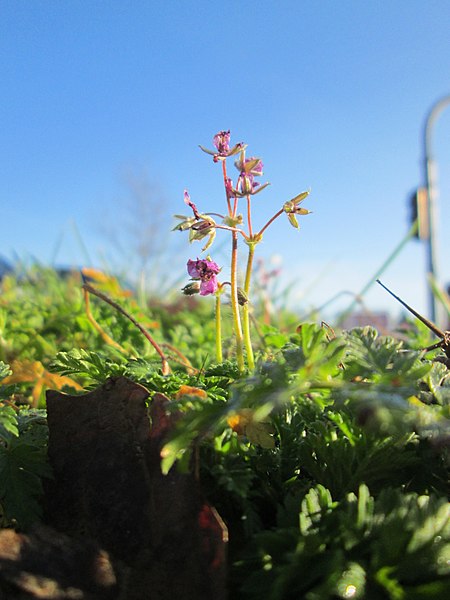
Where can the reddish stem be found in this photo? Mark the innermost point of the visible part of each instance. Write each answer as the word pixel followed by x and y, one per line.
pixel 270 221
pixel 225 178
pixel 249 216
pixel 164 364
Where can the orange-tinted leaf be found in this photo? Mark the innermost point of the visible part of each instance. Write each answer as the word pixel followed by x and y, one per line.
pixel 257 432
pixel 187 390
pixel 34 372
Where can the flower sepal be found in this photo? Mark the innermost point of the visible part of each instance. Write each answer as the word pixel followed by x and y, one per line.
pixel 250 166
pixel 233 221
pixel 296 200
pixel 254 240
pixel 186 223
pixel 232 152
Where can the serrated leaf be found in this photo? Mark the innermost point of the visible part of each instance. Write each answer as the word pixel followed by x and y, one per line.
pixel 8 423
pixel 227 369
pixel 5 370
pixel 33 427
pixel 438 382
pixel 84 362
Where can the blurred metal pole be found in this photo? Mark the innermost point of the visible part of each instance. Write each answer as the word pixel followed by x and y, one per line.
pixel 431 187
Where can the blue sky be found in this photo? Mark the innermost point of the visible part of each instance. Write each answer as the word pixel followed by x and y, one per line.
pixel 332 95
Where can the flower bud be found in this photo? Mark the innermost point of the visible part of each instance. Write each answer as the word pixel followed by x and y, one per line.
pixel 242 296
pixel 191 288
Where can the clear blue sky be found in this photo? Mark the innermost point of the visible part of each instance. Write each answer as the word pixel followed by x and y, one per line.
pixel 331 95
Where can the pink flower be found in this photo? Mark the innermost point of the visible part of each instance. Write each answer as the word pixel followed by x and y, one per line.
pixel 209 286
pixel 204 270
pixel 246 184
pixel 221 142
pixel 249 168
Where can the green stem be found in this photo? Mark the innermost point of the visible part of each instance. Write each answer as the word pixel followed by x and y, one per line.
pixel 165 368
pixel 245 308
pixel 235 304
pixel 233 284
pixel 219 355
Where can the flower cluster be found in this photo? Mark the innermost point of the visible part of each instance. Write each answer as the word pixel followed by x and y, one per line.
pixel 203 272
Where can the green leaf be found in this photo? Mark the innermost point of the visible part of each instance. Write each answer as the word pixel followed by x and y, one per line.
pixel 84 362
pixel 21 468
pixel 4 370
pixel 8 423
pixel 438 381
pixel 382 359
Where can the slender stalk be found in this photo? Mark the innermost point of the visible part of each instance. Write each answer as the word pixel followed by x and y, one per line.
pixel 235 229
pixel 224 171
pixel 249 216
pixel 235 303
pixel 234 294
pixel 235 207
pixel 180 358
pixel 164 364
pixel 270 221
pixel 245 308
pixel 98 327
pixel 219 355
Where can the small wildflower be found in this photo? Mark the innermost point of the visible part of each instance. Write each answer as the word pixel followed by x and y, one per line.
pixel 221 142
pixel 201 229
pixel 249 169
pixel 205 271
pixel 249 166
pixel 199 225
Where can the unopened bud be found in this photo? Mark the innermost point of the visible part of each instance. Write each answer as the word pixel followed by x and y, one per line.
pixel 242 296
pixel 191 288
